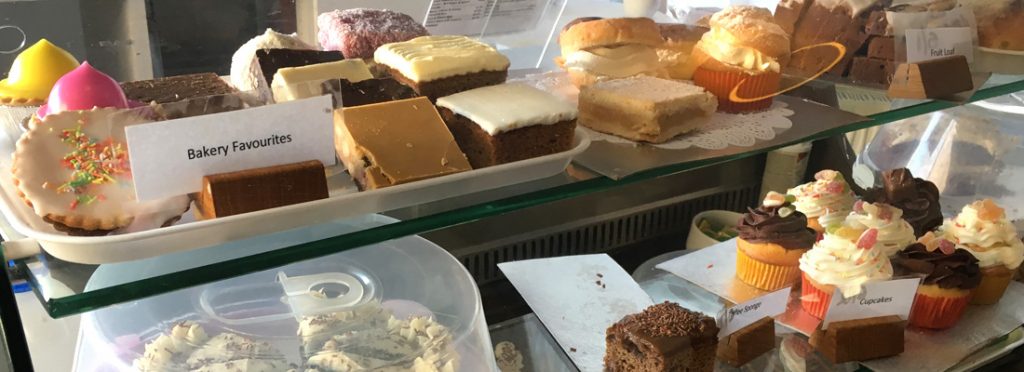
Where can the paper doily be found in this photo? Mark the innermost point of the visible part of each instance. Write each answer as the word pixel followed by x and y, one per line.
pixel 723 130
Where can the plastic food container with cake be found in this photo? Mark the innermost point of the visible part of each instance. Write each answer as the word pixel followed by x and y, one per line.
pixel 403 305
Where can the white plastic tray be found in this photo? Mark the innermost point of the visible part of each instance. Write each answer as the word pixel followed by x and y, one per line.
pixel 189 234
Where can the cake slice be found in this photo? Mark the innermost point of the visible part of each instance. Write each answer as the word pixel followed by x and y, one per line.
pixel 664 337
pixel 438 66
pixel 368 91
pixel 292 83
pixel 504 123
pixel 391 143
pixel 186 95
pixel 645 108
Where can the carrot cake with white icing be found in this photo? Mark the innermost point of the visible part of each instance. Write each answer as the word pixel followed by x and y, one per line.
pixel 438 66
pixel 504 123
pixel 73 169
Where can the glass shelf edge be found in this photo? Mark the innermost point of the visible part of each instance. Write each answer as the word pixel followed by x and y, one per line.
pixel 88 301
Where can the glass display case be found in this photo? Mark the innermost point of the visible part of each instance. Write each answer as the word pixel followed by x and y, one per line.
pixel 383 252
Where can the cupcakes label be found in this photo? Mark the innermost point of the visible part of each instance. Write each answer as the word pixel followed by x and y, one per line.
pixel 891 297
pixel 171 157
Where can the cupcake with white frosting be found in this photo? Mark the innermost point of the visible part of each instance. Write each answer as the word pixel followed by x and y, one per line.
pixel 983 229
pixel 826 201
pixel 894 233
pixel 847 260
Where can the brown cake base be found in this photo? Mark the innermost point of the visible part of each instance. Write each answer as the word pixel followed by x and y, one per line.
pixel 435 89
pixel 484 150
pixel 748 343
pixel 861 339
pixel 231 193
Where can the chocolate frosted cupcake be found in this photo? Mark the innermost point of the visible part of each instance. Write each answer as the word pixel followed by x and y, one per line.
pixel 950 276
pixel 918 198
pixel 772 238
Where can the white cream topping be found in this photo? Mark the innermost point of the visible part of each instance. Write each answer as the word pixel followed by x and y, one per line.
pixel 292 83
pixel 370 338
pixel 837 261
pixel 245 70
pixel 38 160
pixel 428 58
pixel 894 233
pixel 505 107
pixel 615 62
pixel 992 242
pixel 823 196
pixel 721 45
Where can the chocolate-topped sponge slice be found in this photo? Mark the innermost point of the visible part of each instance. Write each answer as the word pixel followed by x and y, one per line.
pixel 368 91
pixel 270 60
pixel 176 88
pixel 664 337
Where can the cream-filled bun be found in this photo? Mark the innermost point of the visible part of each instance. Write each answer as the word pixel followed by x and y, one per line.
pixel 745 37
pixel 594 49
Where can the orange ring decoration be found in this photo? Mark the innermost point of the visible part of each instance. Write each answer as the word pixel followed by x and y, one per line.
pixel 734 94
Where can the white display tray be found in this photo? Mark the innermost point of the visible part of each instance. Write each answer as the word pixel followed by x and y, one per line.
pixel 344 201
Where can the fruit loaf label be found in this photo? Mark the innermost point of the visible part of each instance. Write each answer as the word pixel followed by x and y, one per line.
pixel 735 318
pixel 170 158
pixel 931 43
pixel 892 297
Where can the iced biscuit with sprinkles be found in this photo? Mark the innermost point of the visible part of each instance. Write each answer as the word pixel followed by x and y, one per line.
pixel 73 169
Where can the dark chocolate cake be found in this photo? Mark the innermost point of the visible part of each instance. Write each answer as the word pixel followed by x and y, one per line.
pixel 664 337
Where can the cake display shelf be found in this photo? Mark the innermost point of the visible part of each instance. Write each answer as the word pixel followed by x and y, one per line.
pixel 344 201
pixel 713 270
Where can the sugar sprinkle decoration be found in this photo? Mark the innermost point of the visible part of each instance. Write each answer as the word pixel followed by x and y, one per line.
pixel 92 162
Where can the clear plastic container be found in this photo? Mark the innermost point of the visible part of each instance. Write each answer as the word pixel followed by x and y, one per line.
pixel 402 305
pixel 970 152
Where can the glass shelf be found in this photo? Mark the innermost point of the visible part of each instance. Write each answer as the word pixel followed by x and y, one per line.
pixel 64 288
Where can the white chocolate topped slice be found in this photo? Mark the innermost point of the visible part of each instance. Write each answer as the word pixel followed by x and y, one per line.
pixel 73 169
pixel 428 58
pixel 505 107
pixel 292 83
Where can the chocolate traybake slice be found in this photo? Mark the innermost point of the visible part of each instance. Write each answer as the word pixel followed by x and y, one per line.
pixel 438 66
pixel 176 88
pixel 368 91
pixel 271 60
pixel 664 337
pixel 508 122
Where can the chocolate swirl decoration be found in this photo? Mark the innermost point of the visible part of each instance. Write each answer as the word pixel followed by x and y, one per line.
pixel 958 270
pixel 766 225
pixel 918 198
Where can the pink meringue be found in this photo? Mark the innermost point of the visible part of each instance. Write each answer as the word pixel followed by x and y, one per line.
pixel 83 89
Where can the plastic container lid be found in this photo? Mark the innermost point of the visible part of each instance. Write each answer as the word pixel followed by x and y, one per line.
pixel 402 305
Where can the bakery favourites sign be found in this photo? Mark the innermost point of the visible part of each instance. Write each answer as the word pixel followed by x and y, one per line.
pixel 735 318
pixel 170 158
pixel 892 297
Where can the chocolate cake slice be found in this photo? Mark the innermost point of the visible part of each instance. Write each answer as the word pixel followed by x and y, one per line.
pixel 509 122
pixel 186 95
pixel 438 66
pixel 231 193
pixel 368 91
pixel 664 337
pixel 270 60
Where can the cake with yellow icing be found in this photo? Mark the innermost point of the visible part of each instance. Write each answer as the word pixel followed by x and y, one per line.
pixel 438 66
pixel 33 73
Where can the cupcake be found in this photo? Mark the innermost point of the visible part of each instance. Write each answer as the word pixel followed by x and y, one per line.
pixel 826 201
pixel 30 79
pixel 894 233
pixel 742 53
pixel 982 229
pixel 917 198
pixel 771 240
pixel 950 276
pixel 846 260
